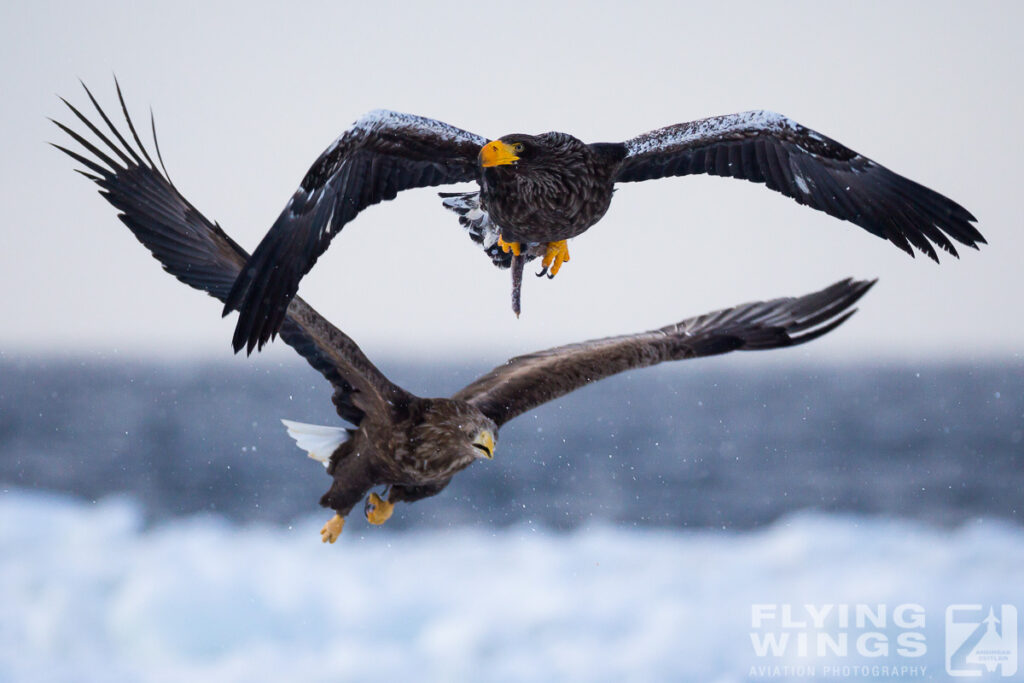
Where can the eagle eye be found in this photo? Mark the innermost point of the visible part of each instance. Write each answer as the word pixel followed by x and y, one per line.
pixel 518 147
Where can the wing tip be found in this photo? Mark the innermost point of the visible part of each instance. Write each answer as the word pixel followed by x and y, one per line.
pixel 833 312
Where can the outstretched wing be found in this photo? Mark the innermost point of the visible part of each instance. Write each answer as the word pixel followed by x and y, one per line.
pixel 528 381
pixel 765 147
pixel 200 254
pixel 382 154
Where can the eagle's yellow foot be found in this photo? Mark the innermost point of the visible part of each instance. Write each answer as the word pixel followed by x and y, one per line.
pixel 331 530
pixel 557 253
pixel 509 246
pixel 378 510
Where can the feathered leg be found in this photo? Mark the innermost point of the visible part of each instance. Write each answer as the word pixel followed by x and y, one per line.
pixel 353 477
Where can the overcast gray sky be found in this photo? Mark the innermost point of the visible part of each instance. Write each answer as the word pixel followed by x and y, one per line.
pixel 246 95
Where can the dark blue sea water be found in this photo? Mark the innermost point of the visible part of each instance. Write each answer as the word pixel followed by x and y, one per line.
pixel 718 444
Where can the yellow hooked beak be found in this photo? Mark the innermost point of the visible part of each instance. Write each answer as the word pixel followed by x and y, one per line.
pixel 484 443
pixel 497 153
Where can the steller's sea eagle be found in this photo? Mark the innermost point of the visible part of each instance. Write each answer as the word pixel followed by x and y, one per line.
pixel 537 191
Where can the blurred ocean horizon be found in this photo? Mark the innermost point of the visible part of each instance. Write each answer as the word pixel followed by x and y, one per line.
pixel 721 443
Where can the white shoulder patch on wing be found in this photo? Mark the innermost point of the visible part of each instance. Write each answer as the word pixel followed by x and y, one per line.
pixel 317 440
pixel 392 120
pixel 707 129
pixel 384 119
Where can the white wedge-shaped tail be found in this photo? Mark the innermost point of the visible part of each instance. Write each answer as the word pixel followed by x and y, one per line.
pixel 319 441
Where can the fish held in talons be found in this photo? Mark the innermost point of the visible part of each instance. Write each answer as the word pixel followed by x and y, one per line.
pixel 518 262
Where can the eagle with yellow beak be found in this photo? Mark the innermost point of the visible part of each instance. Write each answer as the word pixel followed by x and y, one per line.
pixel 412 446
pixel 538 191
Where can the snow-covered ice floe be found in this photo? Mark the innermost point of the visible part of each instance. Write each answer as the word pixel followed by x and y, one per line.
pixel 87 593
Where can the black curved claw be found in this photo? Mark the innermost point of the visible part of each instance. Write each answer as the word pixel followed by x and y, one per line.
pixel 543 272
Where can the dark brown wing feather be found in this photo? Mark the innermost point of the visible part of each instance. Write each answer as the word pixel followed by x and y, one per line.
pixel 528 381
pixel 379 156
pixel 200 254
pixel 764 147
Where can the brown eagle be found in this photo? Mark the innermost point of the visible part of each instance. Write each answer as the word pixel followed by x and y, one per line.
pixel 413 445
pixel 537 191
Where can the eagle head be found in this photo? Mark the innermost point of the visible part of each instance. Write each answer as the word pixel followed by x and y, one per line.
pixel 504 151
pixel 455 430
pixel 521 150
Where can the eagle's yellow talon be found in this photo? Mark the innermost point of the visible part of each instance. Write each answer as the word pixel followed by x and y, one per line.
pixel 378 510
pixel 509 246
pixel 557 253
pixel 331 530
